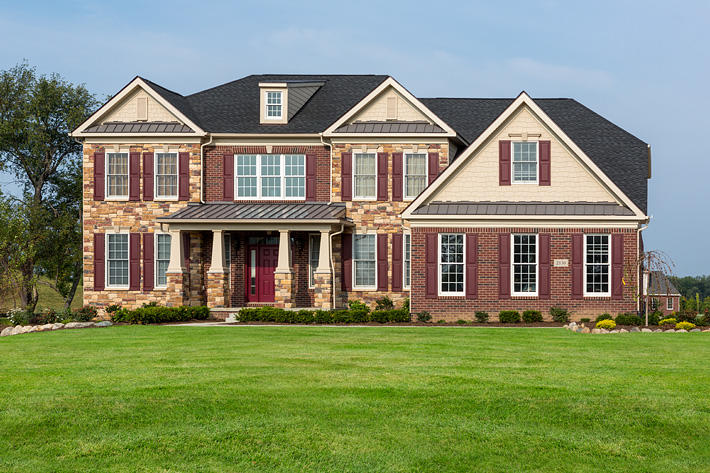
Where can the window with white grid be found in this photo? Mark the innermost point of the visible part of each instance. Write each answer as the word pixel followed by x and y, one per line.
pixel 271 175
pixel 525 162
pixel 313 257
pixel 524 263
pixel 162 259
pixel 596 265
pixel 117 175
pixel 166 175
pixel 295 166
pixel 273 105
pixel 246 175
pixel 364 260
pixel 414 174
pixel 365 176
pixel 117 260
pixel 407 259
pixel 451 263
pixel 669 303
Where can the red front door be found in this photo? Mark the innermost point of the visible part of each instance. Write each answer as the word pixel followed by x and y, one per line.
pixel 261 263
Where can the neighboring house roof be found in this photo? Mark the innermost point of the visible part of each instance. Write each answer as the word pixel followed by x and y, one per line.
pixel 389 127
pixel 252 211
pixel 660 285
pixel 139 127
pixel 524 208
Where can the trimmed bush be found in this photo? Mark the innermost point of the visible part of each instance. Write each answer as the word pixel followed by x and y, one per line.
pixel 684 326
pixel 384 303
pixel 424 316
pixel 701 320
pixel 461 322
pixel 628 319
pixel 654 317
pixel 358 305
pixel 157 314
pixel 509 316
pixel 482 317
pixel 603 317
pixel 358 316
pixel 405 304
pixel 585 320
pixel 669 321
pixel 85 314
pixel 608 324
pixel 532 316
pixel 559 315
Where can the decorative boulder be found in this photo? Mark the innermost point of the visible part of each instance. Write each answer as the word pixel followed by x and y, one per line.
pixel 33 328
pixel 79 324
pixel 6 332
pixel 57 326
pixel 614 331
pixel 669 330
pixel 635 329
pixel 646 330
pixel 104 323
pixel 695 330
pixel 596 330
pixel 623 330
pixel 586 330
pixel 658 330
pixel 565 326
pixel 45 327
pixel 604 330
pixel 680 330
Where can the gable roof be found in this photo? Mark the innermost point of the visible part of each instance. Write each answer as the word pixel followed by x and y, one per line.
pixel 660 285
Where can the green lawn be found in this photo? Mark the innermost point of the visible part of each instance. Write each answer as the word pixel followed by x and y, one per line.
pixel 242 399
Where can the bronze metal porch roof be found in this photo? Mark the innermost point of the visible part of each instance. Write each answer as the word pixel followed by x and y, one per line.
pixel 390 127
pixel 235 211
pixel 525 209
pixel 139 127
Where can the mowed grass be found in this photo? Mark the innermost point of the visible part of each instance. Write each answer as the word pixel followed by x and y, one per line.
pixel 324 399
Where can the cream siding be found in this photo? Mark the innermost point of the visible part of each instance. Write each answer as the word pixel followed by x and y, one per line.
pixel 127 110
pixel 377 109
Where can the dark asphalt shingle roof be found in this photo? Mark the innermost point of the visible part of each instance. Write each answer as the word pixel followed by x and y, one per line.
pixel 267 211
pixel 659 284
pixel 524 208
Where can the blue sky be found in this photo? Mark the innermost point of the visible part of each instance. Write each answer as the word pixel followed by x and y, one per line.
pixel 643 65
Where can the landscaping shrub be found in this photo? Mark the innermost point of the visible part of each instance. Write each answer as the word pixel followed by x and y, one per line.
pixel 482 317
pixel 685 315
pixel 461 322
pixel 424 316
pixel 559 315
pixel 4 321
pixel 156 314
pixel 509 316
pixel 323 317
pixel 684 326
pixel 654 317
pixel 531 316
pixel 113 308
pixel 18 316
pixel 585 320
pixel 85 314
pixel 701 320
pixel 304 316
pixel 603 317
pixel 384 303
pixel 608 324
pixel 669 321
pixel 628 319
pixel 358 305
pixel 441 321
pixel 405 304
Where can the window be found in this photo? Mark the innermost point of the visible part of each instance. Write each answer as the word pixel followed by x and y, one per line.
pixel 270 176
pixel 365 176
pixel 407 260
pixel 654 304
pixel 117 175
pixel 313 257
pixel 525 162
pixel 117 261
pixel 414 174
pixel 162 259
pixel 596 265
pixel 524 265
pixel 166 175
pixel 451 265
pixel 273 105
pixel 669 303
pixel 364 262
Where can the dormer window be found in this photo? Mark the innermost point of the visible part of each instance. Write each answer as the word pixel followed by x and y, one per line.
pixel 274 107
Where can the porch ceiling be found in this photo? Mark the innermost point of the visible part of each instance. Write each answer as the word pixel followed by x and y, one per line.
pixel 235 212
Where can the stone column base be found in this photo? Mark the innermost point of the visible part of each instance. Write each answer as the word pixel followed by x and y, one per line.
pixel 176 291
pixel 283 290
pixel 217 289
pixel 322 291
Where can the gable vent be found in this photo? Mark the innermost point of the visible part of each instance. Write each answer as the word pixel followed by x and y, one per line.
pixel 391 108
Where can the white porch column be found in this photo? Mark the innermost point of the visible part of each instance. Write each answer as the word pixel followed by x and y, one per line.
pixel 284 265
pixel 177 259
pixel 324 253
pixel 218 262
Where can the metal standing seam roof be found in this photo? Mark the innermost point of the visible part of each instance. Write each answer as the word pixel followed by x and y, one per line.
pixel 660 285
pixel 524 208
pixel 140 127
pixel 389 127
pixel 252 211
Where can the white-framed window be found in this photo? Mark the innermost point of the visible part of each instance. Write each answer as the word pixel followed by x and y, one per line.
pixel 117 271
pixel 415 174
pixel 524 162
pixel 669 303
pixel 451 264
pixel 166 175
pixel 365 260
pixel 274 107
pixel 407 259
pixel 313 257
pixel 162 259
pixel 365 176
pixel 270 176
pixel 597 265
pixel 524 260
pixel 117 175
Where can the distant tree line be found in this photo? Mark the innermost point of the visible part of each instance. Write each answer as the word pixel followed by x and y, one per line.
pixel 688 286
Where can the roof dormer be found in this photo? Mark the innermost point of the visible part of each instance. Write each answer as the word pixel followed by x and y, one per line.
pixel 280 101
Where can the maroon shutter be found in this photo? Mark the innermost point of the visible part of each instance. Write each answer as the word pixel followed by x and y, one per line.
pixel 504 266
pixel 186 250
pixel 184 177
pixel 99 261
pixel 134 277
pixel 577 265
pixel 347 251
pixel 544 163
pixel 397 188
pixel 382 262
pixel 99 175
pixel 432 255
pixel 397 256
pixel 544 266
pixel 617 266
pixel 504 162
pixel 148 261
pixel 346 180
pixel 382 176
pixel 148 183
pixel 433 166
pixel 134 182
pixel 228 177
pixel 311 177
pixel 471 266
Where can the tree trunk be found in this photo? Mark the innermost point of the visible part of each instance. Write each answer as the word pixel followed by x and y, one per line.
pixel 74 285
pixel 28 291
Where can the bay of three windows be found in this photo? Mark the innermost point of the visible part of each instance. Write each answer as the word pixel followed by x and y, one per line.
pixel 117 261
pixel 270 176
pixel 165 172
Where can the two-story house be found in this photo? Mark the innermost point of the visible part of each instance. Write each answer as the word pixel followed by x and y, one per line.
pixel 312 190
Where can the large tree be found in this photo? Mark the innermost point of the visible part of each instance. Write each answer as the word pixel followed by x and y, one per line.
pixel 37 112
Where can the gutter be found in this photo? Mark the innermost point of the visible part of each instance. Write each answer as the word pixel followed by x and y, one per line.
pixel 202 168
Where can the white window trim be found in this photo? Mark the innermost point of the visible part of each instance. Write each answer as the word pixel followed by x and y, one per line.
pixel 512 266
pixel 670 305
pixel 119 198
pixel 537 163
pixel 310 268
pixel 157 286
pixel 157 196
pixel 404 173
pixel 584 266
pixel 404 261
pixel 352 252
pixel 266 104
pixel 122 287
pixel 355 196
pixel 282 175
pixel 438 268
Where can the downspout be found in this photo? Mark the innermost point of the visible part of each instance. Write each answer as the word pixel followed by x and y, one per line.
pixel 202 168
pixel 329 145
pixel 641 283
pixel 332 263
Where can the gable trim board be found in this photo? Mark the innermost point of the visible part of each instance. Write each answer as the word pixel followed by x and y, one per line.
pixel 469 153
